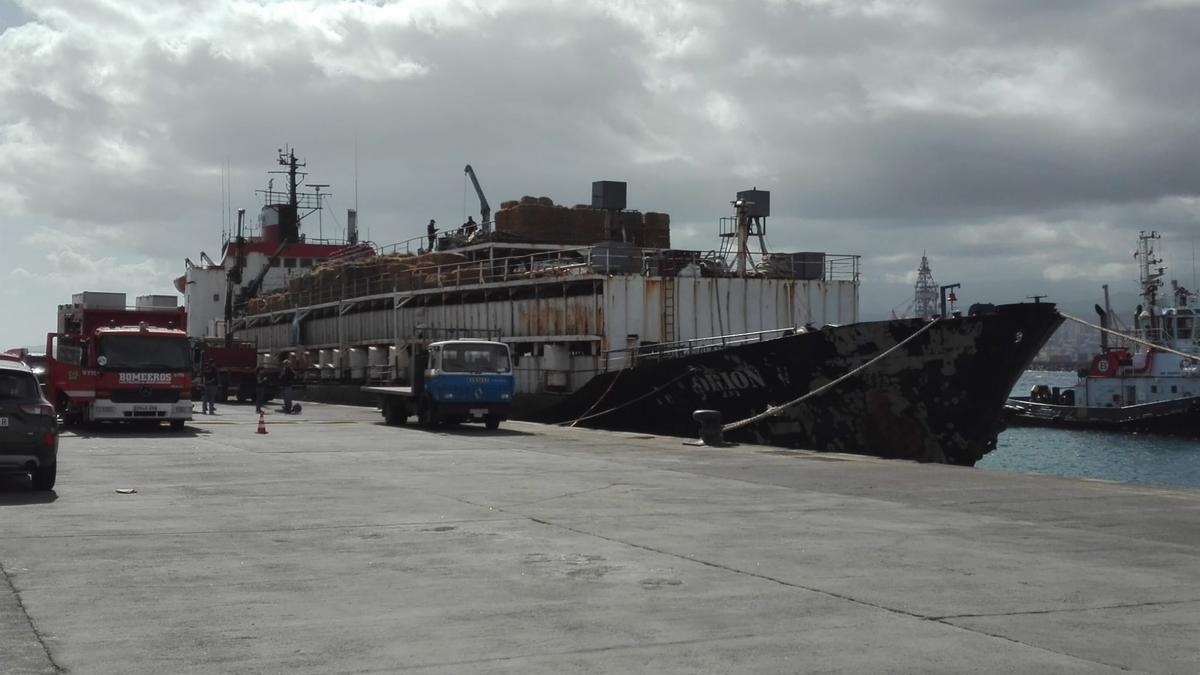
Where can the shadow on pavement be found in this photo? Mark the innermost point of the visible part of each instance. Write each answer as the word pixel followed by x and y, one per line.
pixel 16 489
pixel 133 431
pixel 460 429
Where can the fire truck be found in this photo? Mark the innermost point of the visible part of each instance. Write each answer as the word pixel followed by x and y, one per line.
pixel 235 360
pixel 112 363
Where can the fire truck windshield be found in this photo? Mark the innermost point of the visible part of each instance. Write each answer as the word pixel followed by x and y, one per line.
pixel 144 352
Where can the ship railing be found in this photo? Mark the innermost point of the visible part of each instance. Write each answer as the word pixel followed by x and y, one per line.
pixel 621 358
pixel 373 277
pixel 411 246
pixel 842 267
pixel 813 266
pixel 379 276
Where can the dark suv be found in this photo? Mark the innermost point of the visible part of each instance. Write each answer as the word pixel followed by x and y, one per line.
pixel 28 428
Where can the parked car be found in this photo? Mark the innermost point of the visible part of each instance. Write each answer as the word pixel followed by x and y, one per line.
pixel 28 425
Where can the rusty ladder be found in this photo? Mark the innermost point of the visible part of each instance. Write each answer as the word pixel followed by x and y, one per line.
pixel 668 310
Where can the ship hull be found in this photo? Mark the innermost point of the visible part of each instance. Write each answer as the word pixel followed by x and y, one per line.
pixel 1175 417
pixel 939 398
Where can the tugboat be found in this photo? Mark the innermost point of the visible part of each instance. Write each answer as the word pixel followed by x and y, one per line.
pixel 1146 381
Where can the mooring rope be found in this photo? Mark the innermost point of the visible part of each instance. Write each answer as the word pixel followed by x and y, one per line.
pixel 598 400
pixel 652 392
pixel 773 410
pixel 1144 343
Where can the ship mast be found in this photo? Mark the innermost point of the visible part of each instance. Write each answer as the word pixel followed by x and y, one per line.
pixel 1147 318
pixel 925 292
pixel 1151 275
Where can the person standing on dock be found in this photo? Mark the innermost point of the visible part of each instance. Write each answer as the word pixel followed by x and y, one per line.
pixel 260 387
pixel 286 377
pixel 208 404
pixel 432 230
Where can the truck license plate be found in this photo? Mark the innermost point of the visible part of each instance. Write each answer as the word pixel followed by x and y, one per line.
pixel 145 408
pixel 3 421
pixel 478 412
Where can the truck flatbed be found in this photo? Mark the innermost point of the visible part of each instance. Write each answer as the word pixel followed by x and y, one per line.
pixel 390 391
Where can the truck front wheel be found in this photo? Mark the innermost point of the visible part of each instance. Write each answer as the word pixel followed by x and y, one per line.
pixel 427 413
pixel 177 425
pixel 492 422
pixel 395 412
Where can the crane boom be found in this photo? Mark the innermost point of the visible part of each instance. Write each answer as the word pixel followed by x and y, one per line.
pixel 484 210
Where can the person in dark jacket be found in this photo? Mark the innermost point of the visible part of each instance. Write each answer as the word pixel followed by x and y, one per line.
pixel 432 230
pixel 260 393
pixel 286 377
pixel 208 405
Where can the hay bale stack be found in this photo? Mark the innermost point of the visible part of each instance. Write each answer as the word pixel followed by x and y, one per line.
pixel 540 220
pixel 656 230
pixel 437 258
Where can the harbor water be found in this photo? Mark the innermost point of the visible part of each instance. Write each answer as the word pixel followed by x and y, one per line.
pixel 1136 458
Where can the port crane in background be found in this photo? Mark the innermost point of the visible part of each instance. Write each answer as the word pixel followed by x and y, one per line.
pixel 485 211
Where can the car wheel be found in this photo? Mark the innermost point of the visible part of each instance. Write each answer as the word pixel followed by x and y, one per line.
pixel 492 422
pixel 43 477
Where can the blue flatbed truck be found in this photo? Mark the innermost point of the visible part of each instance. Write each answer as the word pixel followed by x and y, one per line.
pixel 453 381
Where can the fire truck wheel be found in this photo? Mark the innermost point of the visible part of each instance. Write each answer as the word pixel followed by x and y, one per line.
pixel 177 425
pixel 43 478
pixel 492 422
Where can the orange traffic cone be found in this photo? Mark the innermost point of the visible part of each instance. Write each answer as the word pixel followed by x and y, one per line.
pixel 262 424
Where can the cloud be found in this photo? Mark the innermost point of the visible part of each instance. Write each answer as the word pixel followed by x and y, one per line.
pixel 1021 143
pixel 1064 271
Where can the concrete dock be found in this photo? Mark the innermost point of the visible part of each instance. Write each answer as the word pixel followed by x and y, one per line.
pixel 336 544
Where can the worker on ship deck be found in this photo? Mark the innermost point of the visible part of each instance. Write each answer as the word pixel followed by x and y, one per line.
pixel 432 230
pixel 469 227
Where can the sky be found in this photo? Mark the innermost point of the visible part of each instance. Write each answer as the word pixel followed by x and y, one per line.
pixel 1021 143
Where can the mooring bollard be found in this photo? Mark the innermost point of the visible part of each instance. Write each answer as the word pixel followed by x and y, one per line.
pixel 710 427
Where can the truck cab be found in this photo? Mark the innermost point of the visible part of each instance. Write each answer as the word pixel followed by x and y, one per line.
pixel 469 379
pixel 111 363
pixel 453 381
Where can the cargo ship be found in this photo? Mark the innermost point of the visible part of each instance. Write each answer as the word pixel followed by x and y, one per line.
pixel 610 326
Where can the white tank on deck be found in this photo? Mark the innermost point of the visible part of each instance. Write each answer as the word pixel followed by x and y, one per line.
pixel 204 297
pixel 399 365
pixel 323 357
pixel 378 363
pixel 330 363
pixel 358 363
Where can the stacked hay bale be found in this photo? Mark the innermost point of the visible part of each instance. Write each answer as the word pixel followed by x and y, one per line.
pixel 656 230
pixel 538 219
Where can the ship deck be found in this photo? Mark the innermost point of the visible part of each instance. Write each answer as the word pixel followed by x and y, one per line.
pixel 338 544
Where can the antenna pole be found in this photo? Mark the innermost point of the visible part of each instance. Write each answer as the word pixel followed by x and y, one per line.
pixel 228 194
pixel 222 202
